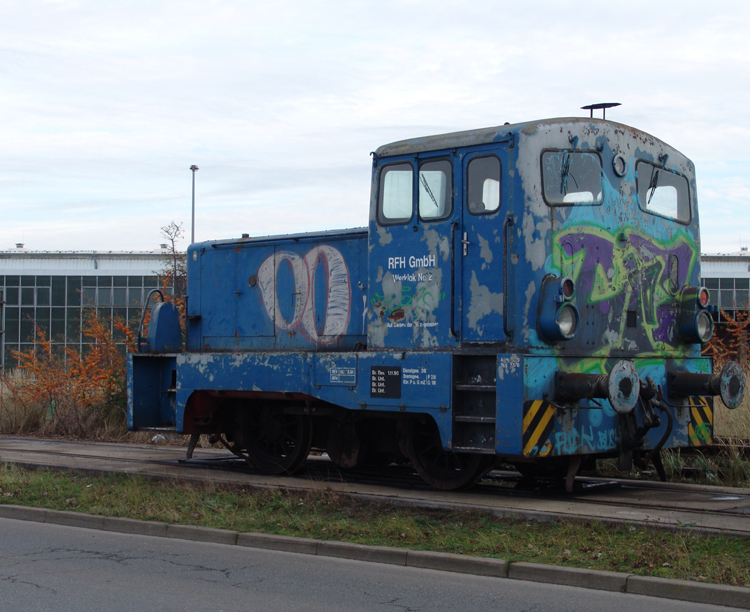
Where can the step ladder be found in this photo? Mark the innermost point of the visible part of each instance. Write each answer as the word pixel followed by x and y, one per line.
pixel 474 400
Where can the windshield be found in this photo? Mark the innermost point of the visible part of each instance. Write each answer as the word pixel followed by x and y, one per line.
pixel 572 177
pixel 662 192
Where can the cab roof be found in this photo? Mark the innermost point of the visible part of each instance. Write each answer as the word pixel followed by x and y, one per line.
pixel 502 133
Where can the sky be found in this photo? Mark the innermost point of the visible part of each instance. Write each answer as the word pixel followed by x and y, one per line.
pixel 105 105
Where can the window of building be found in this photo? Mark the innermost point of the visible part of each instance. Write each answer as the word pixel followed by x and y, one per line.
pixel 728 294
pixel 56 305
pixel 58 291
pixel 42 296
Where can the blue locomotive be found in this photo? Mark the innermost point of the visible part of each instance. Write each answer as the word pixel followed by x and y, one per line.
pixel 527 293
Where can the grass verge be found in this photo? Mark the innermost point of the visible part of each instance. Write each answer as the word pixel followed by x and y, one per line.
pixel 325 515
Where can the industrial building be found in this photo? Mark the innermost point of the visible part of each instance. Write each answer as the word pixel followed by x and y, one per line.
pixel 54 291
pixel 727 277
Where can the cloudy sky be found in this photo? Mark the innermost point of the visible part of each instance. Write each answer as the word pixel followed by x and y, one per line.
pixel 105 105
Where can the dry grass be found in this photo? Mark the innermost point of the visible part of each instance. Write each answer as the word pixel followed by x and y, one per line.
pixel 17 417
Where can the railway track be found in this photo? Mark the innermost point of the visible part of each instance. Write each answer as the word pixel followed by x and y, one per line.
pixel 708 509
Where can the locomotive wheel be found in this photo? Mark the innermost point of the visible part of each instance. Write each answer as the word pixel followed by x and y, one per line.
pixel 277 443
pixel 439 468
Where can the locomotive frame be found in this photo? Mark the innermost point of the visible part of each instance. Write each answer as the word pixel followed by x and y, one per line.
pixel 526 293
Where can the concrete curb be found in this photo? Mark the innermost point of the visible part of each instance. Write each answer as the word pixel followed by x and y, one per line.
pixel 571 576
pixel 698 592
pixel 360 552
pixel 447 562
pixel 303 546
pixel 22 513
pixel 202 534
pixel 684 590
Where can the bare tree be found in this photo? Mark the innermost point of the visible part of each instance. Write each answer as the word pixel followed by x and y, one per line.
pixel 175 272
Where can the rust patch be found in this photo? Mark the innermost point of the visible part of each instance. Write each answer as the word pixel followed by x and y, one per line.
pixel 397 314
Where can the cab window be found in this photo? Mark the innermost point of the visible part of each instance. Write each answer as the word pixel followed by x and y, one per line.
pixel 483 185
pixel 662 192
pixel 396 194
pixel 435 190
pixel 572 178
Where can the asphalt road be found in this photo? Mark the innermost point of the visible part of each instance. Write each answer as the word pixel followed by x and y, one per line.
pixel 46 567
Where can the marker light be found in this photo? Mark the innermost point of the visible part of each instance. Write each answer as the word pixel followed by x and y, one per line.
pixel 704 297
pixel 568 288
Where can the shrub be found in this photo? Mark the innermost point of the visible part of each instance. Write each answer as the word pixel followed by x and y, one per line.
pixel 74 394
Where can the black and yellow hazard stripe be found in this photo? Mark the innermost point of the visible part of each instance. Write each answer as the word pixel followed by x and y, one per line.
pixel 701 428
pixel 538 422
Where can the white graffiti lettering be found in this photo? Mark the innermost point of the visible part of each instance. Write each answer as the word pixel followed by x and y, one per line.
pixel 304 316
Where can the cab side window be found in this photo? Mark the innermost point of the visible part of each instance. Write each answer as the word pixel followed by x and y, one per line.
pixel 435 190
pixel 483 185
pixel 396 194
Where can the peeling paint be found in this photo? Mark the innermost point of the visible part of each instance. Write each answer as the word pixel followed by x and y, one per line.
pixel 528 332
pixel 483 302
pixel 485 252
pixel 384 236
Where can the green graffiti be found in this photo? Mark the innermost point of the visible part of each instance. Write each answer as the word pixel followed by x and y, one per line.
pixel 703 432
pixel 626 264
pixel 423 298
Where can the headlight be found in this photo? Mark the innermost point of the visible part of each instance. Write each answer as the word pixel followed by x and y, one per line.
pixel 567 320
pixel 704 326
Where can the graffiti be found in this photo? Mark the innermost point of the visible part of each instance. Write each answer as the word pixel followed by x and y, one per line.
pixel 584 441
pixel 626 271
pixel 608 439
pixel 304 316
pixel 422 298
pixel 507 365
pixel 703 432
pixel 395 304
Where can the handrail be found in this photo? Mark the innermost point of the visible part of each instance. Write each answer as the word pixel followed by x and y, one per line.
pixel 506 224
pixel 452 329
pixel 143 314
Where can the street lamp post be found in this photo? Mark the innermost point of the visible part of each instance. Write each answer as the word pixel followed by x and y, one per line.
pixel 192 230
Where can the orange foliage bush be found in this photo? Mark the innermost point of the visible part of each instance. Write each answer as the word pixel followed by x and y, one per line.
pixel 729 341
pixel 72 393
